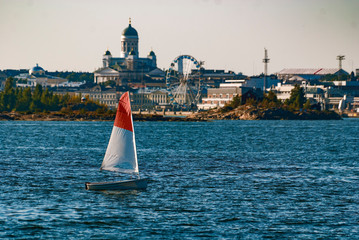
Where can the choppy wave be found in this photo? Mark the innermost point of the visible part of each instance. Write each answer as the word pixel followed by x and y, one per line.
pixel 221 179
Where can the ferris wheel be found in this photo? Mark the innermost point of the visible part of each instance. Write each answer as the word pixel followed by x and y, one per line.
pixel 181 81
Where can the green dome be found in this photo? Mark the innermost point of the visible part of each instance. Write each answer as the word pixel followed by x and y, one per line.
pixel 152 54
pixel 130 32
pixel 107 53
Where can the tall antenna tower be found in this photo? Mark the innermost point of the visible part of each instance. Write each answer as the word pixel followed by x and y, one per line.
pixel 265 61
pixel 340 58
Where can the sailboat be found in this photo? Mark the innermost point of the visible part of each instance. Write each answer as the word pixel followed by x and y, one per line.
pixel 121 155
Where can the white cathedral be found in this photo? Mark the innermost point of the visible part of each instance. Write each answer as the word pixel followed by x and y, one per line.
pixel 129 68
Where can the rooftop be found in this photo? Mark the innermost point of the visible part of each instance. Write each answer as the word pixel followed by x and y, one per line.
pixel 308 71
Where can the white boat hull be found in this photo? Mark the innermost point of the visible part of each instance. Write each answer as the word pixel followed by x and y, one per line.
pixel 136 184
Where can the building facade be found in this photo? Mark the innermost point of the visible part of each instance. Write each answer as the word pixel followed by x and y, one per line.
pixel 311 74
pixel 107 96
pixel 218 97
pixel 37 76
pixel 129 68
pixel 145 99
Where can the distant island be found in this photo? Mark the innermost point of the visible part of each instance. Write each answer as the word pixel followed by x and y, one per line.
pixel 297 107
pixel 253 112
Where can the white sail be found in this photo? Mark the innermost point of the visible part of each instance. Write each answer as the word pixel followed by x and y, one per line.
pixel 121 153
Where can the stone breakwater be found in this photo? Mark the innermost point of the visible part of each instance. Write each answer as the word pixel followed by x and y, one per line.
pixel 256 113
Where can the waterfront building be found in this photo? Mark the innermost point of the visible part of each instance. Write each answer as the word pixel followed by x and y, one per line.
pixel 328 95
pixel 252 86
pixel 149 99
pixel 155 79
pixel 218 97
pixel 104 95
pixel 214 77
pixel 316 93
pixel 311 74
pixel 341 88
pixel 159 97
pixel 37 75
pixel 258 82
pixel 129 68
pixel 342 104
pixel 106 74
pixel 71 84
pixel 140 99
pixel 252 82
pixel 283 91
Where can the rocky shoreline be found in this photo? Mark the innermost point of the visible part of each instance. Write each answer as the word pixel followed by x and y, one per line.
pixel 243 112
pixel 58 116
pixel 246 112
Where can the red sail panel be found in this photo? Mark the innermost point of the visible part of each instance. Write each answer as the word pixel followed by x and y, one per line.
pixel 123 114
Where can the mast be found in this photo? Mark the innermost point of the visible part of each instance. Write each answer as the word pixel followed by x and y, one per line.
pixel 134 138
pixel 340 58
pixel 265 61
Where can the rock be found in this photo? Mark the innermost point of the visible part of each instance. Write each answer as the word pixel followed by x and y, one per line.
pixel 247 112
pixel 6 117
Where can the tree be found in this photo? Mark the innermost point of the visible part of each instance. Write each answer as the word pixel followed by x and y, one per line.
pixel 65 99
pixel 236 101
pixel 8 97
pixel 45 99
pixel 272 97
pixel 307 105
pixel 72 77
pixel 36 104
pixel 54 103
pixel 270 100
pixel 297 97
pixel 37 92
pixel 87 77
pixel 23 100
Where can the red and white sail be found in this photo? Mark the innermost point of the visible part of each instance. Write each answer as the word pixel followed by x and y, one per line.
pixel 121 153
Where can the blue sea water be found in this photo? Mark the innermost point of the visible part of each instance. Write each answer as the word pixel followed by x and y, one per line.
pixel 211 180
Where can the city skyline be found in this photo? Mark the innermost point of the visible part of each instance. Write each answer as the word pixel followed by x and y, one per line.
pixel 230 35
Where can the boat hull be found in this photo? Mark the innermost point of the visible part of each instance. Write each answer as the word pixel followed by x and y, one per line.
pixel 136 184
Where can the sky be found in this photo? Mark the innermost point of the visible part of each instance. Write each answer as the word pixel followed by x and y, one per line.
pixel 72 35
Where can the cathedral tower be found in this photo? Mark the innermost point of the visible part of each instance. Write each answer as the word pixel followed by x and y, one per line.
pixel 106 59
pixel 129 41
